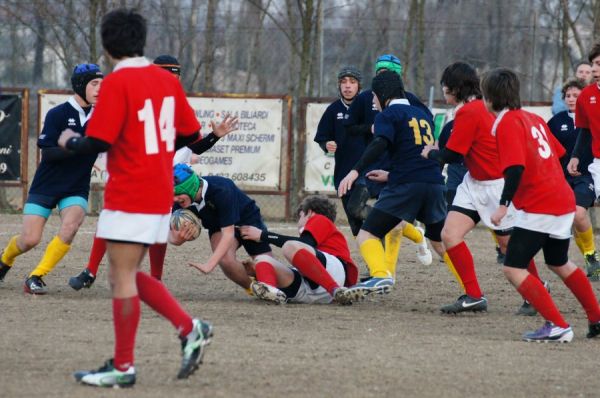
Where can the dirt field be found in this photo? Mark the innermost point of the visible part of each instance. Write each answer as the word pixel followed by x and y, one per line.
pixel 397 346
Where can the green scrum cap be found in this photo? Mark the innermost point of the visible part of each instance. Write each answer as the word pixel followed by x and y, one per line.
pixel 186 181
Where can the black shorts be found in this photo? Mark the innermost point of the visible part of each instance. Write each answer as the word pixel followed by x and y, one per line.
pixel 583 187
pixel 379 223
pixel 524 244
pixel 412 201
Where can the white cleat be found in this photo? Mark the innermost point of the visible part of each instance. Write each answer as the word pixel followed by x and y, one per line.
pixel 268 293
pixel 423 253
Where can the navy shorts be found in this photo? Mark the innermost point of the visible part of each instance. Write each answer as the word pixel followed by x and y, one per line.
pixel 252 248
pixel 583 187
pixel 412 201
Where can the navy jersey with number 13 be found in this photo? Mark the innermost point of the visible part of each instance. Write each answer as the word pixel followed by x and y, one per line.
pixel 408 129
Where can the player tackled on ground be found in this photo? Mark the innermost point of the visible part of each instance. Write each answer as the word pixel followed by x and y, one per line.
pixel 61 180
pixel 320 258
pixel 535 183
pixel 142 117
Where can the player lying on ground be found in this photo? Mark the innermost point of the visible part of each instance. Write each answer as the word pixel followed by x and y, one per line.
pixel 320 258
pixel 221 206
pixel 61 180
pixel 415 187
pixel 529 158
pixel 137 200
pixel 187 154
pixel 562 125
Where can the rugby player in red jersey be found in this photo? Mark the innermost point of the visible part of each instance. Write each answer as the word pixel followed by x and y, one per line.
pixel 534 182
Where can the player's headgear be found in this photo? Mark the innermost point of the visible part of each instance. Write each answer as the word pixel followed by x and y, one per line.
pixel 387 85
pixel 349 71
pixel 389 62
pixel 186 180
pixel 169 63
pixel 82 75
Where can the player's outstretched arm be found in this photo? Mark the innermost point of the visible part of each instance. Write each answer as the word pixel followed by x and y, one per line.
pixel 227 240
pixel 74 142
pixel 228 125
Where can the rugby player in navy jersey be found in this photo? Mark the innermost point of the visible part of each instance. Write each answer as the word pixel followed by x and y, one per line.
pixel 61 180
pixel 221 206
pixel 359 123
pixel 415 186
pixel 562 125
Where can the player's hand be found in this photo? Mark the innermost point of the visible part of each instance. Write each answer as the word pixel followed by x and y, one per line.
pixel 65 136
pixel 249 232
pixel 427 149
pixel 499 215
pixel 378 175
pixel 185 232
pixel 347 182
pixel 331 146
pixel 573 166
pixel 228 125
pixel 205 268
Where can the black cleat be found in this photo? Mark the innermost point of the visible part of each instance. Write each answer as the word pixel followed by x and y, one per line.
pixel 84 279
pixel 526 309
pixel 35 285
pixel 193 347
pixel 593 331
pixel 466 304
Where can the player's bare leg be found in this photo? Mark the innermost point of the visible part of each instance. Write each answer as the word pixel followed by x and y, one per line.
pixel 230 265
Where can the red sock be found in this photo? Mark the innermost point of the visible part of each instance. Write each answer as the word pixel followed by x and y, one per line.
pixel 309 266
pixel 157 253
pixel 98 250
pixel 157 296
pixel 533 270
pixel 465 267
pixel 265 272
pixel 534 291
pixel 126 316
pixel 581 287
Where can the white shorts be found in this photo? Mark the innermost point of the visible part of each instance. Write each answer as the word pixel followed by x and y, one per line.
pixel 307 295
pixel 594 169
pixel 484 198
pixel 558 227
pixel 133 227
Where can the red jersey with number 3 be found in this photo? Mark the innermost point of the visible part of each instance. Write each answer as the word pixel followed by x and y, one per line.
pixel 525 140
pixel 587 114
pixel 331 241
pixel 140 109
pixel 471 137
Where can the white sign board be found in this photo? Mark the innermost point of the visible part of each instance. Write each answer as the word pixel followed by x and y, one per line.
pixel 49 101
pixel 545 112
pixel 318 167
pixel 250 156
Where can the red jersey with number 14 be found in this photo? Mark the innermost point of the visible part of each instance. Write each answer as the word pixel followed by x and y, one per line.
pixel 140 109
pixel 331 241
pixel 525 140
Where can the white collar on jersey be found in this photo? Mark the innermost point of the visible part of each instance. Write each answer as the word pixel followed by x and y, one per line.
pixel 83 118
pixel 498 119
pixel 399 101
pixel 200 206
pixel 133 62
pixel 571 115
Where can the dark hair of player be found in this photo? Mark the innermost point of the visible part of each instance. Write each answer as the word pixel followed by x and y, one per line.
pixel 574 83
pixel 462 81
pixel 319 205
pixel 387 85
pixel 595 52
pixel 501 87
pixel 582 62
pixel 123 33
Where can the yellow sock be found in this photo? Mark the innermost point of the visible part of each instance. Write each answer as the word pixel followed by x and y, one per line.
pixel 55 251
pixel 587 241
pixel 392 250
pixel 374 255
pixel 494 237
pixel 578 242
pixel 11 251
pixel 453 270
pixel 412 233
